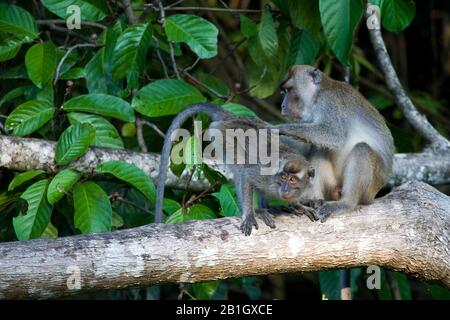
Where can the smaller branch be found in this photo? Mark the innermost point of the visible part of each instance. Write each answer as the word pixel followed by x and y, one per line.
pixel 414 117
pixel 61 21
pixel 192 66
pixel 160 58
pixel 129 12
pixel 140 135
pixel 200 195
pixel 131 203
pixel 67 31
pixel 229 54
pixel 174 4
pixel 225 10
pixel 198 82
pixel 154 127
pixel 79 45
pixel 255 85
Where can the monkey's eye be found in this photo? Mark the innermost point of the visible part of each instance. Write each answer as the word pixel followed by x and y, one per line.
pixel 292 180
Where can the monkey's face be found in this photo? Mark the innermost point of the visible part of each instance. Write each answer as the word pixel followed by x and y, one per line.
pixel 299 88
pixel 291 186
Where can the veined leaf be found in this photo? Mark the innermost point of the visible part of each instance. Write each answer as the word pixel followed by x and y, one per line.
pixel 396 15
pixel 9 48
pixel 303 48
pixel 74 142
pixel 23 177
pixel 228 200
pixel 200 212
pixel 101 104
pixel 239 110
pixel 131 174
pixel 339 20
pixel 40 61
pixel 165 97
pixel 267 34
pixel 199 34
pixel 305 15
pixel 130 52
pixel 106 134
pixel 29 116
pixel 61 184
pixel 205 290
pixel 90 10
pixel 249 28
pixel 14 19
pixel 178 216
pixel 13 94
pixel 35 221
pixel 93 211
pixel 50 232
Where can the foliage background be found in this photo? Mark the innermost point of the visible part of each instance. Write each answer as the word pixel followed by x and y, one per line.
pixel 119 80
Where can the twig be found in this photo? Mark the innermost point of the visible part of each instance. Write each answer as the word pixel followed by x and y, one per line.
pixel 140 135
pixel 129 12
pixel 131 203
pixel 198 82
pixel 414 117
pixel 154 127
pixel 61 21
pixel 158 53
pixel 255 85
pixel 192 66
pixel 225 10
pixel 191 174
pixel 174 4
pixel 61 62
pixel 200 195
pixel 230 53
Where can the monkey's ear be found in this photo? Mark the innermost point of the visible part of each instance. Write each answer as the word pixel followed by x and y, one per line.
pixel 316 76
pixel 311 172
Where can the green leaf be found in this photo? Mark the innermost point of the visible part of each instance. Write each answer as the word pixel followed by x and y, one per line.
pixel 131 174
pixel 29 116
pixel 305 15
pixel 228 200
pixel 74 142
pixel 50 232
pixel 14 19
pixel 23 177
pixel 40 61
pixel 130 53
pixel 329 284
pixel 303 49
pixel 238 110
pixel 75 73
pixel 13 94
pixel 267 34
pixel 61 184
pixel 178 216
pixel 9 48
pixel 16 72
pixel 117 220
pixel 249 27
pixel 199 34
pixel 213 82
pixel 403 285
pixel 205 290
pixel 200 212
pixel 106 134
pixel 438 292
pixel 171 206
pixel 101 104
pixel 339 20
pixel 93 211
pixel 396 15
pixel 165 97
pixel 90 10
pixel 7 198
pixel 35 221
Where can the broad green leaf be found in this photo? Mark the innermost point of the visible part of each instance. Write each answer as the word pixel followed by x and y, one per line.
pixel 117 220
pixel 23 177
pixel 16 20
pixel 228 201
pixel 165 97
pixel 7 198
pixel 438 292
pixel 282 5
pixel 199 34
pixel 101 104
pixel 384 293
pixel 74 142
pixel 45 93
pixel 50 232
pixel 106 134
pixel 171 206
pixel 267 34
pixel 305 15
pixel 29 116
pixel 70 61
pixel 90 10
pixel 205 290
pixel 403 285
pixel 329 284
pixel 249 28
pixel 238 109
pixel 40 61
pixel 75 73
pixel 16 72
pixel 178 216
pixel 13 94
pixel 130 53
pixel 339 20
pixel 9 48
pixel 93 211
pixel 396 15
pixel 213 82
pixel 303 49
pixel 35 221
pixel 131 174
pixel 200 212
pixel 61 184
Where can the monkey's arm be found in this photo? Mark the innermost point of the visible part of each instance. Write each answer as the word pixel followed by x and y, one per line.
pixel 322 134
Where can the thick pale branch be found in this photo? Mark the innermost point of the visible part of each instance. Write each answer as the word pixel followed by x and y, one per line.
pixel 407 230
pixel 23 154
pixel 414 117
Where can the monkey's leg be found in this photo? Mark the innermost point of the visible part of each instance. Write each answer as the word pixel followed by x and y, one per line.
pixel 360 181
pixel 265 216
pixel 244 192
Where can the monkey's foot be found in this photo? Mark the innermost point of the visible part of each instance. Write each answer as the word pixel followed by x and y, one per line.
pixel 247 225
pixel 315 204
pixel 265 216
pixel 279 209
pixel 328 209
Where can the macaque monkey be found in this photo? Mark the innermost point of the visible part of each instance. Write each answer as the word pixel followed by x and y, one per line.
pixel 353 146
pixel 247 177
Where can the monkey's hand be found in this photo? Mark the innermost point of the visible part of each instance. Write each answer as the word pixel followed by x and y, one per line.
pixel 331 208
pixel 300 209
pixel 315 204
pixel 247 224
pixel 265 216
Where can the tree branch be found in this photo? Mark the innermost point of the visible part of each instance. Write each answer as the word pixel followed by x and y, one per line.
pixel 407 231
pixel 414 117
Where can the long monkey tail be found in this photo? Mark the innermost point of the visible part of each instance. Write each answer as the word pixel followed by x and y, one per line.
pixel 215 112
